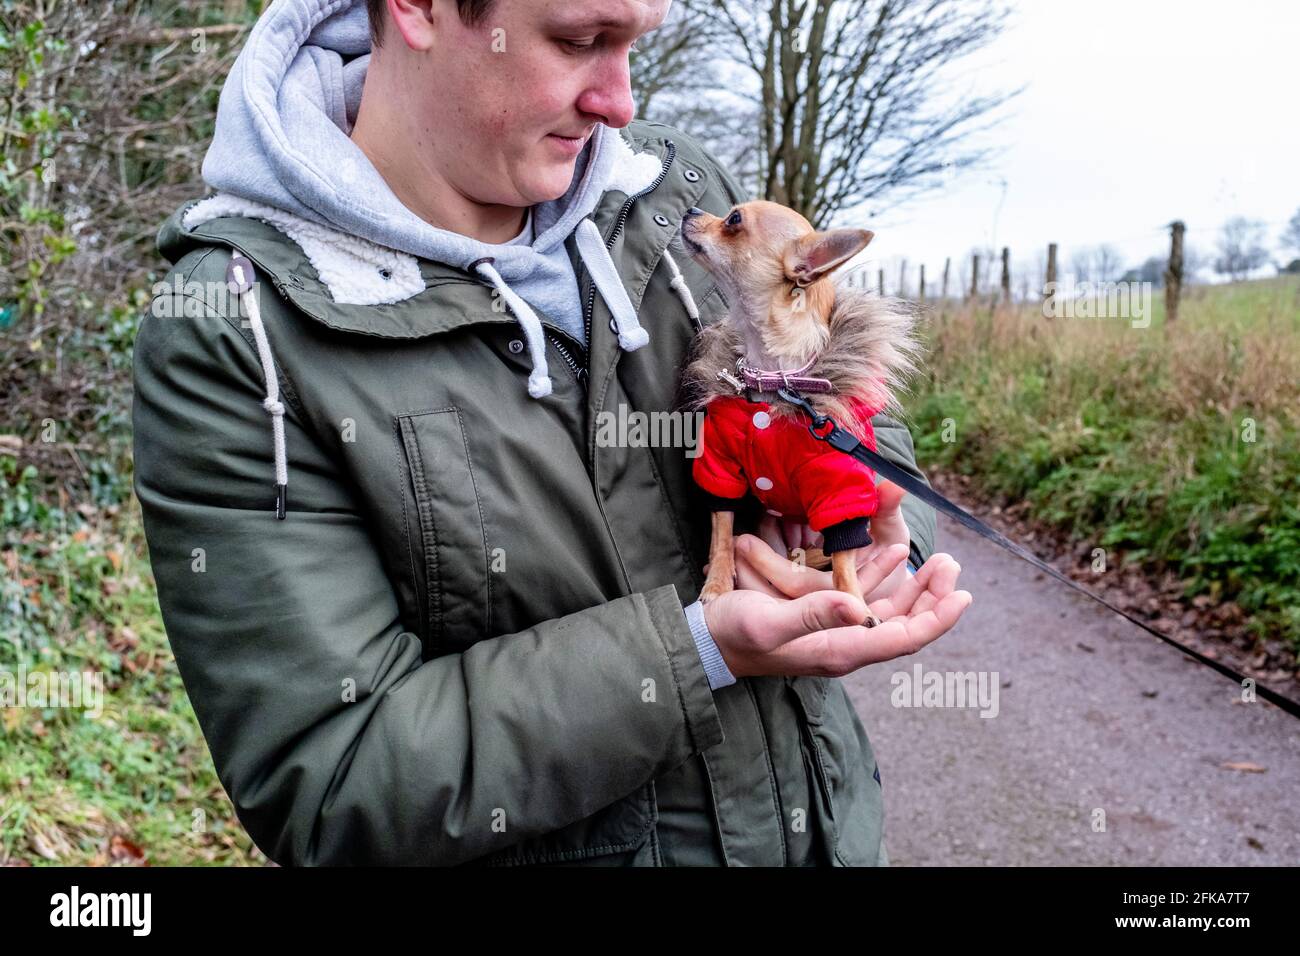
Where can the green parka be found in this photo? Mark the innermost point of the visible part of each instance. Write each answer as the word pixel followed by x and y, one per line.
pixel 465 642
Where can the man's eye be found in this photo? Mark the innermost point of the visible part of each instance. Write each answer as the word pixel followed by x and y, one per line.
pixel 734 218
pixel 579 44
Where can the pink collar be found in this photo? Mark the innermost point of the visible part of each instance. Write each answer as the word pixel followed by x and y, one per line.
pixel 761 380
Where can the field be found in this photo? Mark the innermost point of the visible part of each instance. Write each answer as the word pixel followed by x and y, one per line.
pixel 1170 445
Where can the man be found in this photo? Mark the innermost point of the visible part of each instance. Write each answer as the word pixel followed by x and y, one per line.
pixel 423 613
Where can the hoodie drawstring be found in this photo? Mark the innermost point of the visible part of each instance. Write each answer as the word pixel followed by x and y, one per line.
pixel 631 336
pixel 239 277
pixel 678 283
pixel 601 267
pixel 539 379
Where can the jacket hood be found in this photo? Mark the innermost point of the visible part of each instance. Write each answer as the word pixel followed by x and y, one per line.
pixel 282 153
pixel 282 139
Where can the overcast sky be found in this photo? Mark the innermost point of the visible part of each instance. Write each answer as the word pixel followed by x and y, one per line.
pixel 1135 113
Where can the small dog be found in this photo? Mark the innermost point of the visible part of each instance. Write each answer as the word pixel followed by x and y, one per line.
pixel 844 349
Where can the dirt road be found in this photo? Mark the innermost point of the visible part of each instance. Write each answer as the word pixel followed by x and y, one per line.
pixel 1096 724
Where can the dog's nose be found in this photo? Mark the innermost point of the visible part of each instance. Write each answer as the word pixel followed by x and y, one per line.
pixel 694 211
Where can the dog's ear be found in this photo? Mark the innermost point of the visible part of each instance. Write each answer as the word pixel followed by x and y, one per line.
pixel 810 257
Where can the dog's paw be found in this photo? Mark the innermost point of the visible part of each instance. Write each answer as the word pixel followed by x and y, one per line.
pixel 712 591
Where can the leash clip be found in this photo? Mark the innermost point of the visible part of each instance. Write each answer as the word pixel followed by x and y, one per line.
pixel 819 421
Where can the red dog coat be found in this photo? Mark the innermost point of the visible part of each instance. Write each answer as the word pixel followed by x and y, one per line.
pixel 794 475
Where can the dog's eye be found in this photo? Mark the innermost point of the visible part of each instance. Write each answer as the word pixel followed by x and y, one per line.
pixel 734 218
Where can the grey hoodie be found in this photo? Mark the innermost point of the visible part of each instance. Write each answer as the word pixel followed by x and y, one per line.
pixel 282 152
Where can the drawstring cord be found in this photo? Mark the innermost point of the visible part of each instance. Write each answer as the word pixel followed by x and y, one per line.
pixel 601 268
pixel 678 283
pixel 239 277
pixel 631 336
pixel 539 379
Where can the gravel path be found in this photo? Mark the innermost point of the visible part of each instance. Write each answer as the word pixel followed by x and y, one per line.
pixel 1094 718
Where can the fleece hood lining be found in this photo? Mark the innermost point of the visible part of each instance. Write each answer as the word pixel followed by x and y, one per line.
pixel 357 271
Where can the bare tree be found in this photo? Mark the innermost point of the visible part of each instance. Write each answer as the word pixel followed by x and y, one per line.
pixel 848 95
pixel 678 78
pixel 1107 260
pixel 1290 238
pixel 1241 248
pixel 1081 265
pixel 105 110
pixel 1096 263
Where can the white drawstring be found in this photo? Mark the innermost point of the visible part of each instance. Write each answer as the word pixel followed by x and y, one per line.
pixel 240 274
pixel 539 380
pixel 683 291
pixel 601 268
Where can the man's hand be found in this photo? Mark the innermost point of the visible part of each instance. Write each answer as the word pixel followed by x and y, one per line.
pixel 820 634
pixel 762 564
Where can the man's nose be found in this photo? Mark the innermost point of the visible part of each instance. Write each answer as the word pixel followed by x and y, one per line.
pixel 610 97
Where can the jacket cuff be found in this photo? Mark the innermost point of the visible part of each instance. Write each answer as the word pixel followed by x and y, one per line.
pixel 692 683
pixel 715 668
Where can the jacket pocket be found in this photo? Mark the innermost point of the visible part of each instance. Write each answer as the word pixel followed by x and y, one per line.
pixel 621 834
pixel 448 537
pixel 845 767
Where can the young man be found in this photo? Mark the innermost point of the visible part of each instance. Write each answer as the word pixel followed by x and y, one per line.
pixel 424 614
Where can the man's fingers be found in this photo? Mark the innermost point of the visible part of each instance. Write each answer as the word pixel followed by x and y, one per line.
pixel 907 635
pixel 890 494
pixel 842 650
pixel 751 580
pixel 805 615
pixel 880 566
pixel 793 580
pixel 901 601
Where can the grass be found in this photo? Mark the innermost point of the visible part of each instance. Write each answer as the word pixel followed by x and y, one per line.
pixel 135 784
pixel 1177 446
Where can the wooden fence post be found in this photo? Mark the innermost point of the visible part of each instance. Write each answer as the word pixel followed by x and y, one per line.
pixel 1174 273
pixel 922 282
pixel 902 280
pixel 880 283
pixel 1049 285
pixel 947 264
pixel 1006 274
pixel 974 275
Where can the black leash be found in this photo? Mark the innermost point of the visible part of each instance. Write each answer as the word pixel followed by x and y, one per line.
pixel 844 441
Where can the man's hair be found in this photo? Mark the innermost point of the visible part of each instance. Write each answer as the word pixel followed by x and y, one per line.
pixel 471 12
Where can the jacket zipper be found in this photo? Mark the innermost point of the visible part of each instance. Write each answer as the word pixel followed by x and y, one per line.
pixel 580 372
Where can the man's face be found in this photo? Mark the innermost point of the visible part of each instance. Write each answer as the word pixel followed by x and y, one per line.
pixel 497 99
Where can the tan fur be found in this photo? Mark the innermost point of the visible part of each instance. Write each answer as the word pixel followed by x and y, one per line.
pixel 775 271
pixel 870 352
pixel 865 345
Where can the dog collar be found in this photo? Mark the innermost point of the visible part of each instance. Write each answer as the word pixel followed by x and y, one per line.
pixel 761 380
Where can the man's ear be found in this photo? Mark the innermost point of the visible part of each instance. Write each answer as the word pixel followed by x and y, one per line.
pixel 812 256
pixel 415 21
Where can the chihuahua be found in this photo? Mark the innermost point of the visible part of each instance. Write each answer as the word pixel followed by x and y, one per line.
pixel 790 325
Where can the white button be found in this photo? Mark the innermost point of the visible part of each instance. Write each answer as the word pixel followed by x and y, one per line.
pixel 762 419
pixel 763 484
pixel 774 514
